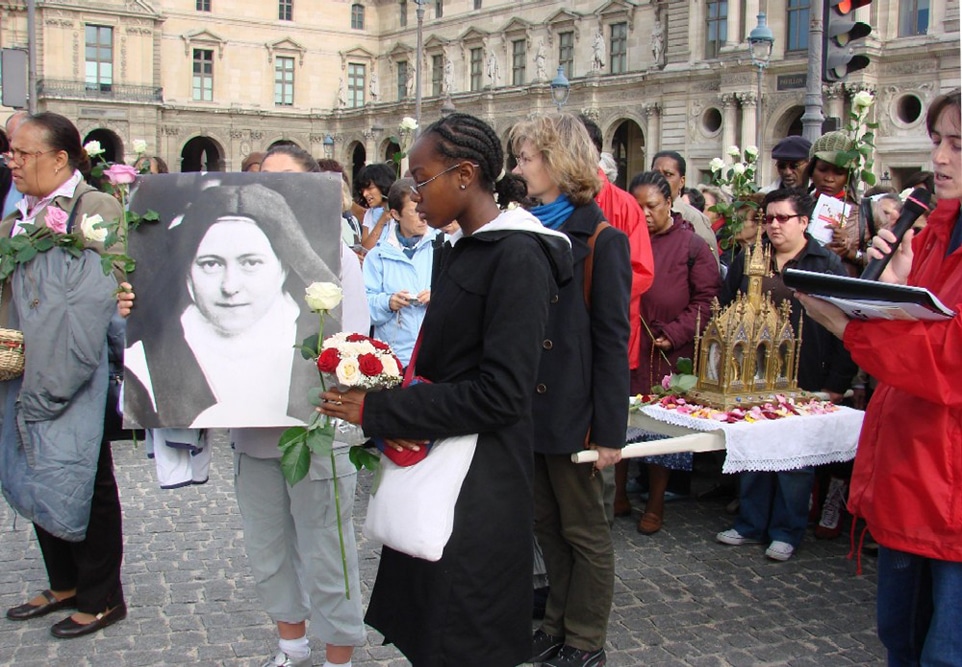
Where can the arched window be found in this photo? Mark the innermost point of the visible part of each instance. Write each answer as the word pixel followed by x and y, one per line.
pixel 357 16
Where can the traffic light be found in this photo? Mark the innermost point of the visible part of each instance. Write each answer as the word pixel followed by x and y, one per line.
pixel 838 57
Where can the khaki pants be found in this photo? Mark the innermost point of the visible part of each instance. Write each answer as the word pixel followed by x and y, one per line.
pixel 571 525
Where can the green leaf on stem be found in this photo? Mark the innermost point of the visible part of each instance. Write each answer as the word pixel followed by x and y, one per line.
pixel 684 365
pixel 321 440
pixel 308 346
pixel 295 454
pixel 314 396
pixel 363 458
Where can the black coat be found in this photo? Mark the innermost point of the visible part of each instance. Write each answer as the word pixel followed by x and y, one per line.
pixel 583 377
pixel 481 341
pixel 823 362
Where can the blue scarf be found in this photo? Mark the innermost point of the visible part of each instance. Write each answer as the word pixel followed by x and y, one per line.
pixel 408 245
pixel 555 214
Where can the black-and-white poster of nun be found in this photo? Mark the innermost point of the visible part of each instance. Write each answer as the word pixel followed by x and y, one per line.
pixel 219 286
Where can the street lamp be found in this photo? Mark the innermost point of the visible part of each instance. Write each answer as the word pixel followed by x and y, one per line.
pixel 760 42
pixel 328 146
pixel 560 88
pixel 419 54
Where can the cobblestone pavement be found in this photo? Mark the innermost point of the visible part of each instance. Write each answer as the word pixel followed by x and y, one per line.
pixel 680 598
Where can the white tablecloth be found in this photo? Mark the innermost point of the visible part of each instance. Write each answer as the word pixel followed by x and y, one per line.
pixel 778 444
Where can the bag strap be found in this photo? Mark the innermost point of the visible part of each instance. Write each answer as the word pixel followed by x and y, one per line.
pixel 73 211
pixel 590 260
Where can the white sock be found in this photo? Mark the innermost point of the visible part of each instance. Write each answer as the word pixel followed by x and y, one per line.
pixel 328 663
pixel 296 649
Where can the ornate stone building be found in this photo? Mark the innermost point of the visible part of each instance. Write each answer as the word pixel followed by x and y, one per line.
pixel 208 81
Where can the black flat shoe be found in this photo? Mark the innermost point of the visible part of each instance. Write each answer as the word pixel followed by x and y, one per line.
pixel 28 611
pixel 69 628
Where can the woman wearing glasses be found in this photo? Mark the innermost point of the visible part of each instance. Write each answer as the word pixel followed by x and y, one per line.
pixel 481 341
pixel 56 469
pixel 774 505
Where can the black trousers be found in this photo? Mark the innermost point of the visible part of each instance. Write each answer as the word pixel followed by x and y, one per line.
pixel 93 565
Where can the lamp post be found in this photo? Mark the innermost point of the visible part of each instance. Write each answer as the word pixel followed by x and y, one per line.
pixel 760 41
pixel 328 146
pixel 419 54
pixel 560 88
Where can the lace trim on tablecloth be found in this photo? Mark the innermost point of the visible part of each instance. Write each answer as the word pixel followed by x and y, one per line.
pixel 777 444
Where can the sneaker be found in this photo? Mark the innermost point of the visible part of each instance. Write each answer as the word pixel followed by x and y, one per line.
pixel 284 660
pixel 779 550
pixel 734 538
pixel 569 656
pixel 544 646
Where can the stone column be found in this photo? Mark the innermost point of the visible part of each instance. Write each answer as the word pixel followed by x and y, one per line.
pixel 750 119
pixel 729 113
pixel 652 112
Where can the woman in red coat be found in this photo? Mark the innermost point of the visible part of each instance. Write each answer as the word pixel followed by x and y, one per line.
pixel 907 481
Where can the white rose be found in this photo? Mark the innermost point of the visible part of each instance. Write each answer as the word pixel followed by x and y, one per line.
pixel 91 230
pixel 862 100
pixel 408 123
pixel 348 373
pixel 93 148
pixel 140 146
pixel 390 368
pixel 734 151
pixel 716 164
pixel 738 168
pixel 322 296
pixel 751 151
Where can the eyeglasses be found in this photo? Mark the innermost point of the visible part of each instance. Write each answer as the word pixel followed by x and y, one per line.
pixel 780 217
pixel 787 165
pixel 416 188
pixel 20 157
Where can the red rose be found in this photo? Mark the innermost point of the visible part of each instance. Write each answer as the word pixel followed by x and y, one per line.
pixel 370 365
pixel 380 345
pixel 355 338
pixel 328 361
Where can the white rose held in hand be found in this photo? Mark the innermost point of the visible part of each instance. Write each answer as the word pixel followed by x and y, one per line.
pixel 734 151
pixel 738 168
pixel 348 372
pixel 140 146
pixel 751 151
pixel 93 148
pixel 91 231
pixel 322 296
pixel 716 164
pixel 408 123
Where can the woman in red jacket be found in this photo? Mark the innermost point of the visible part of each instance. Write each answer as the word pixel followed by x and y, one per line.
pixel 907 481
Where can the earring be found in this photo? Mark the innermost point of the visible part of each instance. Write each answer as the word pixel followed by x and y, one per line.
pixel 462 186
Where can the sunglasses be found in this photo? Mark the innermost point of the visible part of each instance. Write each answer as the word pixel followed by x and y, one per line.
pixel 780 217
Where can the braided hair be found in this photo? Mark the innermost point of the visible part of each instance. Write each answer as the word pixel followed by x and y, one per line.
pixel 464 137
pixel 653 178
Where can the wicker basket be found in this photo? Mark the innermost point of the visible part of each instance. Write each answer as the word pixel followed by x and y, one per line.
pixel 11 354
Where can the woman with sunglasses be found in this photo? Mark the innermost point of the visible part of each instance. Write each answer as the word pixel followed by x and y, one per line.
pixel 773 506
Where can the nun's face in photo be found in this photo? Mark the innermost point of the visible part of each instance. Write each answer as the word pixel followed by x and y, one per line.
pixel 235 277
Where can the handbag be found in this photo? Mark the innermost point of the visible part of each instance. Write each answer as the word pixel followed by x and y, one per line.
pixel 412 504
pixel 411 508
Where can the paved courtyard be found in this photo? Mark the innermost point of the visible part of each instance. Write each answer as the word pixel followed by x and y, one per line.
pixel 680 598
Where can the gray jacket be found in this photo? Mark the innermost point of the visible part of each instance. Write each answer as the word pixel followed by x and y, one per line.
pixel 51 418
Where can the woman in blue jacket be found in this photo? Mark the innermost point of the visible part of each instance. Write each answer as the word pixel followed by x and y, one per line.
pixel 397 273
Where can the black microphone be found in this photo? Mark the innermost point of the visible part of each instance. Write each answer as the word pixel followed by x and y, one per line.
pixel 914 207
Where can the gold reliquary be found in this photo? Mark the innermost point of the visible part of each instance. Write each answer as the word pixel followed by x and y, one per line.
pixel 748 352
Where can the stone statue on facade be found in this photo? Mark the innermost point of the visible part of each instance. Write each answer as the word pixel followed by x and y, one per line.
pixel 539 62
pixel 448 80
pixel 658 43
pixel 493 69
pixel 598 52
pixel 375 86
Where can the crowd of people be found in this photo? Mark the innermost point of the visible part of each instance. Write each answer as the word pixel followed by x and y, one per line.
pixel 530 296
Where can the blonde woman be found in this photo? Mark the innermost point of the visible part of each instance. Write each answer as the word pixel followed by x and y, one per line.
pixel 579 398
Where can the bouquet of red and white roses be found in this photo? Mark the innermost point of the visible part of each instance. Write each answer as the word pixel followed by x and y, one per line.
pixel 352 360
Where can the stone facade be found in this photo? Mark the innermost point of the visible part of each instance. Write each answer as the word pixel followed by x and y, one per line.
pixel 264 78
